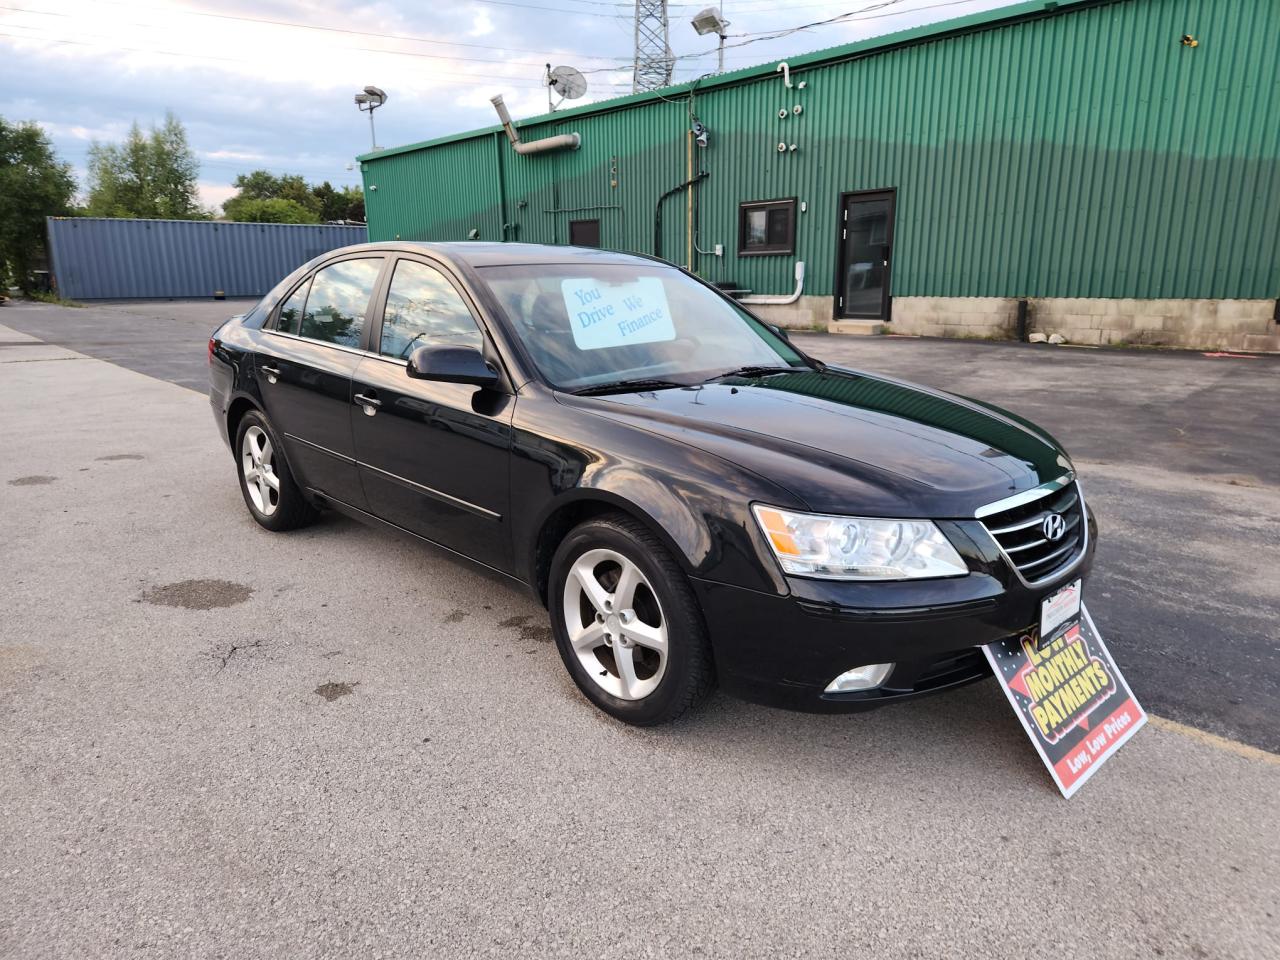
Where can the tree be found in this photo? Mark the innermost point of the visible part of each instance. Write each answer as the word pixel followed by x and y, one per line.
pixel 322 201
pixel 344 204
pixel 265 185
pixel 274 210
pixel 149 175
pixel 34 184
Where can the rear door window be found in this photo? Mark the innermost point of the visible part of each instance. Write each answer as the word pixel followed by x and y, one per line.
pixel 338 301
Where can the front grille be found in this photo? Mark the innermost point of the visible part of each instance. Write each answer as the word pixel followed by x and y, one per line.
pixel 1020 533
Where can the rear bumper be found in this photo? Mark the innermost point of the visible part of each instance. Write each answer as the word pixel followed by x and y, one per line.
pixel 221 384
pixel 220 416
pixel 783 650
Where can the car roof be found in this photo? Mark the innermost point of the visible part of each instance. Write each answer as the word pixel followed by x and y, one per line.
pixel 476 253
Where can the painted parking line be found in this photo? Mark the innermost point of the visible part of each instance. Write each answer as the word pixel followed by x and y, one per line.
pixel 1213 740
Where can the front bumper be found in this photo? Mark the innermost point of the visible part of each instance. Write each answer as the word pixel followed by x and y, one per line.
pixel 783 650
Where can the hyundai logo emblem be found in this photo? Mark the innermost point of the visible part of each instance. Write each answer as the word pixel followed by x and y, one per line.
pixel 1054 527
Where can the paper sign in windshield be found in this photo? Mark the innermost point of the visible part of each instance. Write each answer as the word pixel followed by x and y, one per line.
pixel 617 314
pixel 1070 696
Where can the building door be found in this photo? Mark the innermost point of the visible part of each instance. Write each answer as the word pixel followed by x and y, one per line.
pixel 584 233
pixel 866 253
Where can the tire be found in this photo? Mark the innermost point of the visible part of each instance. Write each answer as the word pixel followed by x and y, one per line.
pixel 651 623
pixel 266 483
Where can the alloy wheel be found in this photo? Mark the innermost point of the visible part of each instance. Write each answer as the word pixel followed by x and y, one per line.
pixel 615 624
pixel 257 460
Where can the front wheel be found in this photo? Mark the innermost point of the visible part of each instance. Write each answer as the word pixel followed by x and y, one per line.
pixel 627 624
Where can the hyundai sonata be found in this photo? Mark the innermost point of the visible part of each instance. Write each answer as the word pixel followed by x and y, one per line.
pixel 693 498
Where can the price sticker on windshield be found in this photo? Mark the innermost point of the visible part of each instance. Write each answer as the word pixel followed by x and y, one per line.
pixel 617 314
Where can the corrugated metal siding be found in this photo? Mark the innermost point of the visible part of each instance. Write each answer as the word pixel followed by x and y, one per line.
pixel 452 194
pixel 108 259
pixel 1081 152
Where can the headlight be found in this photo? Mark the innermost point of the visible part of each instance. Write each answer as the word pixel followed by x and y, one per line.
pixel 854 548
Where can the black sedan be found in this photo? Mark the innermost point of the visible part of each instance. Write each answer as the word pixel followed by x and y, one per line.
pixel 693 498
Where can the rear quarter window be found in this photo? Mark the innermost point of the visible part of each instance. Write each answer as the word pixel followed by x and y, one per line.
pixel 291 310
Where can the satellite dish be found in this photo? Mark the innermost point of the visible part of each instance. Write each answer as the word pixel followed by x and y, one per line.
pixel 567 82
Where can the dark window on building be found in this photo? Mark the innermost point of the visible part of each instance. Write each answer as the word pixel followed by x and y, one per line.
pixel 584 233
pixel 423 308
pixel 767 226
pixel 339 297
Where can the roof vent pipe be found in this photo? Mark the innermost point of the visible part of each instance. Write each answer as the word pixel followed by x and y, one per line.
pixel 565 141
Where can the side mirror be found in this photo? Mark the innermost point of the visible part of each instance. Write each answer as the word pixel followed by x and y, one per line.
pixel 451 364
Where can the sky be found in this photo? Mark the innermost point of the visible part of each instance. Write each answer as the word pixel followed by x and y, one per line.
pixel 269 84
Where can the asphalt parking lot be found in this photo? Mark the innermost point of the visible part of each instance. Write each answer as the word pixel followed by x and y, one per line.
pixel 1177 452
pixel 219 742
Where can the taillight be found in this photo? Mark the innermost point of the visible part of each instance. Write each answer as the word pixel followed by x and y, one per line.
pixel 213 347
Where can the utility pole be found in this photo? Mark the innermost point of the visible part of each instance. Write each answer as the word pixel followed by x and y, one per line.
pixel 653 58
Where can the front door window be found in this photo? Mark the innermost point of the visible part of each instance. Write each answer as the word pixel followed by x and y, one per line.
pixel 423 307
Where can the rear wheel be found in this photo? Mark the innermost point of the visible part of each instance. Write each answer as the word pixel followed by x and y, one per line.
pixel 627 624
pixel 270 493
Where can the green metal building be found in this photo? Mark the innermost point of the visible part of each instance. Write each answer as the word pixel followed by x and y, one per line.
pixel 1116 163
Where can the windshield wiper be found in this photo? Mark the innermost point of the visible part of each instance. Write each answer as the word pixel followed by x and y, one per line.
pixel 625 386
pixel 757 370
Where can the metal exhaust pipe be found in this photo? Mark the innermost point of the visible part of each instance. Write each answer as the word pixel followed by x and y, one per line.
pixel 564 141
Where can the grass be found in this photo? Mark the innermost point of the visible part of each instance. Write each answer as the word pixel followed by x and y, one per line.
pixel 54 299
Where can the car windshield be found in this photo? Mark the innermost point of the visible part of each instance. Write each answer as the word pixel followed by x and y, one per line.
pixel 591 324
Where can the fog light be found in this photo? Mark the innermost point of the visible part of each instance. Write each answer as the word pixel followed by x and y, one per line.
pixel 860 678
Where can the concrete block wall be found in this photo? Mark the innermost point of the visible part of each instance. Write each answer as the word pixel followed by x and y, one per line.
pixel 807 313
pixel 1202 324
pixel 1194 324
pixel 986 318
pixel 1094 321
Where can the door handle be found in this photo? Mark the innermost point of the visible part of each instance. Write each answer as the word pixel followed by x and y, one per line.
pixel 271 372
pixel 370 404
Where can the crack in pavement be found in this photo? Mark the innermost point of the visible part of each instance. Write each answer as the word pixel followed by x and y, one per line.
pixel 235 648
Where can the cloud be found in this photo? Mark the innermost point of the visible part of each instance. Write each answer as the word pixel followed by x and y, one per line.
pixel 482 25
pixel 214 194
pixel 279 97
pixel 233 155
pixel 116 131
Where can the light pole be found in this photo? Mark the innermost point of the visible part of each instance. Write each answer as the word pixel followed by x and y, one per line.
pixel 370 99
pixel 711 20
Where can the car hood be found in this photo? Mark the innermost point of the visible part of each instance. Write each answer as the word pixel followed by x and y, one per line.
pixel 847 442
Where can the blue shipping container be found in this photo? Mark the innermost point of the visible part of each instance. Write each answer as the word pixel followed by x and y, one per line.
pixel 109 259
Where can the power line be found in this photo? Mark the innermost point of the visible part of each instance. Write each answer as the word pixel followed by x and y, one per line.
pixel 853 15
pixel 401 53
pixel 786 31
pixel 444 78
pixel 312 26
pixel 864 13
pixel 534 6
